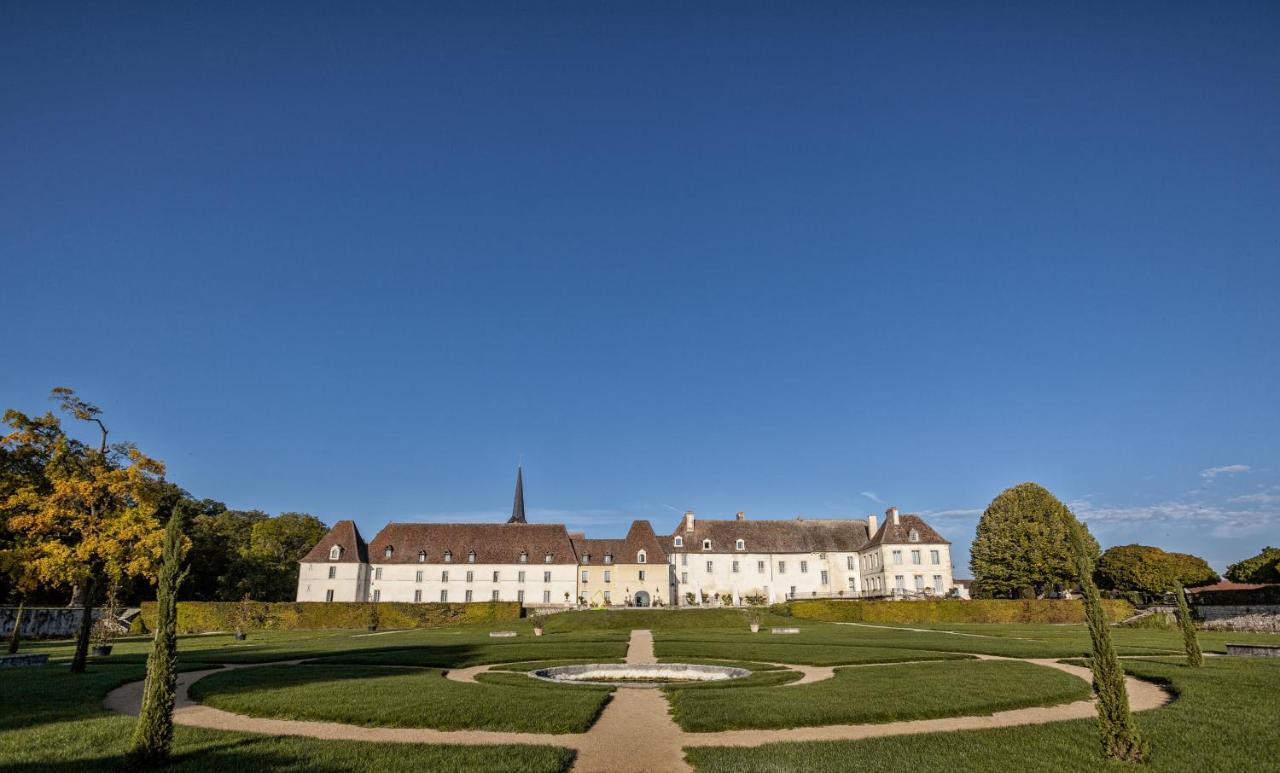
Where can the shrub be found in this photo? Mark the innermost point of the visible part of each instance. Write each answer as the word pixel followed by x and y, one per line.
pixel 953 611
pixel 202 616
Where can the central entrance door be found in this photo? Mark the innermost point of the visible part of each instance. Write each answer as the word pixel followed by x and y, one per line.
pixel 642 599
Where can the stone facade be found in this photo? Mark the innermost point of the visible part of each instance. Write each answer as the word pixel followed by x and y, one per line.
pixel 44 622
pixel 1259 617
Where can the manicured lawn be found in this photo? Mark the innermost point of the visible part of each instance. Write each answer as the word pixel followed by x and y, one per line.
pixel 878 694
pixel 397 697
pixel 816 646
pixel 1223 719
pixel 53 721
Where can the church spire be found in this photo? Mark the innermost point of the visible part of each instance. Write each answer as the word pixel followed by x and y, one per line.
pixel 517 508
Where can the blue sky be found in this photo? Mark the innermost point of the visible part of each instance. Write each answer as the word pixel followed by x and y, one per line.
pixel 781 258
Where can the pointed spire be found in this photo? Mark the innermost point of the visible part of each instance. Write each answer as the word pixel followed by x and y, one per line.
pixel 517 508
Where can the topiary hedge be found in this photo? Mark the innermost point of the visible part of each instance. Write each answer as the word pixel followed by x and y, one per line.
pixel 202 616
pixel 953 611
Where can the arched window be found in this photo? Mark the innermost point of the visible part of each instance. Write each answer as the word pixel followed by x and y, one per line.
pixel 388 551
pixel 471 557
pixel 913 536
pixel 641 558
pixel 524 557
pixel 448 556
pixel 335 553
pixel 679 542
pixel 422 556
pixel 740 545
pixel 706 544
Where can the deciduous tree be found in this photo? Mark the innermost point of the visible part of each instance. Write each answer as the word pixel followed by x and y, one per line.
pixel 1019 551
pixel 1264 567
pixel 1150 570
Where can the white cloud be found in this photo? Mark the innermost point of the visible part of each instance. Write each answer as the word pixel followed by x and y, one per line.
pixel 873 496
pixel 1230 469
pixel 1258 499
pixel 1225 522
pixel 955 513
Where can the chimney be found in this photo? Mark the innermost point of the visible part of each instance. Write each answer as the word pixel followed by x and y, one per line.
pixel 871 526
pixel 892 515
pixel 688 520
pixel 741 516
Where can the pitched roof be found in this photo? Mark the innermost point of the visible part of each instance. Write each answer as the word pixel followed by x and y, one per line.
pixel 517 507
pixel 622 551
pixel 493 543
pixel 889 534
pixel 345 535
pixel 791 536
pixel 1226 585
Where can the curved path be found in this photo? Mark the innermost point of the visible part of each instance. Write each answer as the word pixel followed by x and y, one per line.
pixel 635 732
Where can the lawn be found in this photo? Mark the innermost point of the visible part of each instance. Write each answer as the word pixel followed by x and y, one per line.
pixel 878 694
pixel 397 697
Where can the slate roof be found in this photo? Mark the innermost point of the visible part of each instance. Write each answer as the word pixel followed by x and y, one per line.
pixel 900 534
pixel 345 535
pixel 800 535
pixel 517 506
pixel 623 551
pixel 493 543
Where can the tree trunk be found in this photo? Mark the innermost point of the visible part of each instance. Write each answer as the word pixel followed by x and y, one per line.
pixel 15 636
pixel 86 624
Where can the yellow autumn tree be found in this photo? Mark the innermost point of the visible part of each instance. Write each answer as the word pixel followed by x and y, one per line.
pixel 91 519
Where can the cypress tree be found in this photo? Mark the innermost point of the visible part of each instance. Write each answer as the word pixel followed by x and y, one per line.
pixel 15 636
pixel 1189 641
pixel 153 733
pixel 1120 738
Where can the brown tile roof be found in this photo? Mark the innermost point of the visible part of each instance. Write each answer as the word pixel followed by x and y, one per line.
pixel 345 535
pixel 493 543
pixel 900 534
pixel 623 551
pixel 793 536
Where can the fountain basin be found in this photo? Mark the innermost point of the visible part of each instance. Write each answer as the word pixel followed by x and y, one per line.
pixel 647 675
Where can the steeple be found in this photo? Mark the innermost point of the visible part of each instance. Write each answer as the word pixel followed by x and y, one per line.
pixel 517 508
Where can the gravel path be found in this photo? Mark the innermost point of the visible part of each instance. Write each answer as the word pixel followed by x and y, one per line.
pixel 635 733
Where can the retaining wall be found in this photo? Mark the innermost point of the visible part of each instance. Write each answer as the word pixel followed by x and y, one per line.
pixel 1254 617
pixel 44 622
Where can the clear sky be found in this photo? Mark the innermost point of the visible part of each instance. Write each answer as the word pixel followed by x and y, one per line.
pixel 791 259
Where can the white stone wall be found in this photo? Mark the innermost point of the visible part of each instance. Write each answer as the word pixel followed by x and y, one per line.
pixel 400 582
pixel 783 574
pixel 349 583
pixel 883 568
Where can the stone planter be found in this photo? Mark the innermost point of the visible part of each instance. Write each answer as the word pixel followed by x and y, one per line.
pixel 537 631
pixel 102 650
pixel 755 628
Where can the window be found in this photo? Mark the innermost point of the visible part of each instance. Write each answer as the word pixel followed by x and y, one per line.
pixel 679 542
pixel 740 545
pixel 586 558
pixel 546 597
pixel 546 559
pixel 448 556
pixel 915 556
pixel 585 574
pixel 760 567
pixel 524 557
pixel 387 553
pixel 897 556
pixel 804 567
pixel 335 552
pixel 495 595
pixel 608 558
pixel 417 596
pixel 606 597
pixel 913 536
pixel 825 579
pixel 684 559
pixel 850 563
pixel 937 583
pixel 471 557
pixel 520 596
pixel 792 594
pixel 417 576
pixel 782 567
pixel 642 557
pixel 470 576
pixel 546 576
pixel 444 596
pixel 735 567
pixel 495 576
pixel 933 557
pixel 519 576
pixel 710 567
pixel 919 582
pixel 377 594
pixel 899 582
pixel 444 576
pixel 468 598
pixel 706 544
pixel 608 576
pixel 377 573
pixel 853 584
pixel 328 595
pixel 641 575
pixel 333 572
pixel 684 578
pixel 422 556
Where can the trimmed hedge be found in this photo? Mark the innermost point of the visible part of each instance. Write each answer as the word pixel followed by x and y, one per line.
pixel 953 611
pixel 665 619
pixel 202 616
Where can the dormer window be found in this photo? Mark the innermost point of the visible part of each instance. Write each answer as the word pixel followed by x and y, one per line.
pixel 740 545
pixel 913 536
pixel 586 558
pixel 641 558
pixel 524 557
pixel 608 558
pixel 387 553
pixel 546 559
pixel 471 557
pixel 706 544
pixel 422 556
pixel 448 556
pixel 335 553
pixel 679 542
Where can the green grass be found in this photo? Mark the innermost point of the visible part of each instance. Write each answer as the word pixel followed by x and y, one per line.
pixel 1223 719
pixel 397 697
pixel 878 694
pixel 52 721
pixel 655 619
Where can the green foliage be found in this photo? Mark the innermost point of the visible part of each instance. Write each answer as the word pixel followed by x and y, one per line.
pixel 1264 567
pixel 1188 626
pixel 1120 738
pixel 239 552
pixel 1019 550
pixel 1150 571
pixel 953 611
pixel 153 733
pixel 203 616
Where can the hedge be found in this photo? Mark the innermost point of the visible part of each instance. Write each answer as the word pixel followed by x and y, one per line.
pixel 202 616
pixel 953 611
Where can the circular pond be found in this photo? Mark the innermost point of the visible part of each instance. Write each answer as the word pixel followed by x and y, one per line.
pixel 649 675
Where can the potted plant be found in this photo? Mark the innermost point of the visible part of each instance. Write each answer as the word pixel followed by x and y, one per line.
pixel 753 619
pixel 106 627
pixel 537 627
pixel 689 598
pixel 242 617
pixel 374 617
